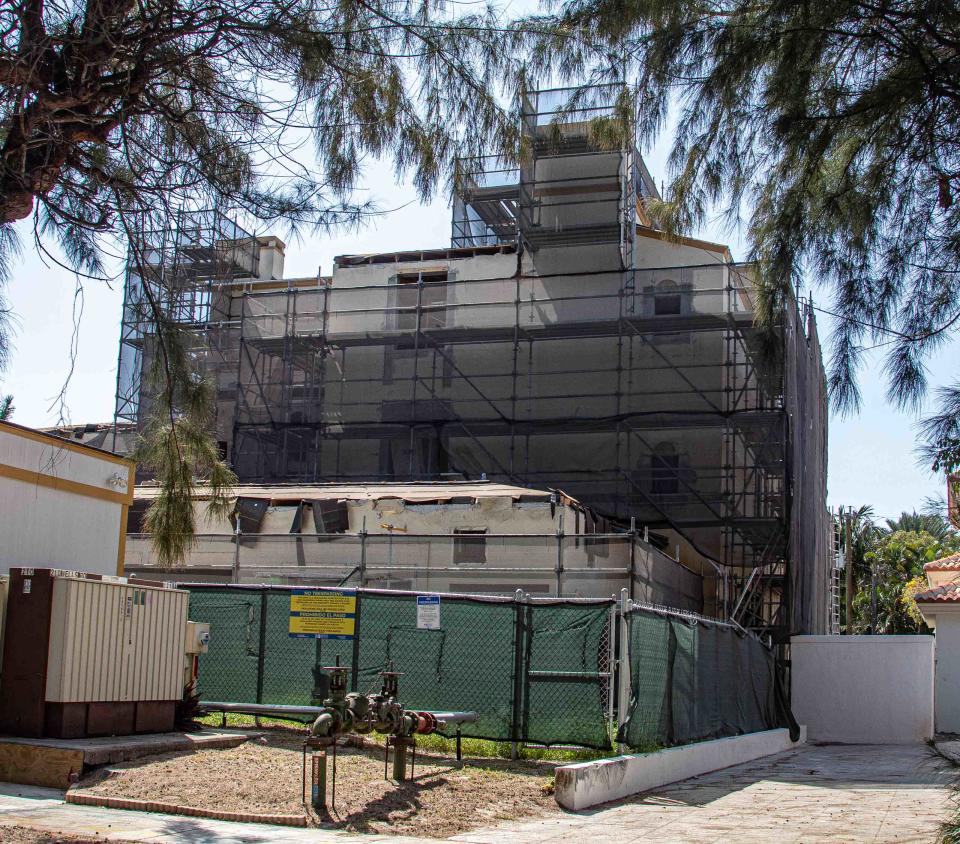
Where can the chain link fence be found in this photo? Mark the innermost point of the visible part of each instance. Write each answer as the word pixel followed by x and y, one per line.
pixel 692 678
pixel 536 670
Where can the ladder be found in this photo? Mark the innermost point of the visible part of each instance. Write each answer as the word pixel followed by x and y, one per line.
pixel 836 578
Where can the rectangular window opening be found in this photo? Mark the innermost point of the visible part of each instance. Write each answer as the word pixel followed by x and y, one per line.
pixel 666 304
pixel 433 300
pixel 470 546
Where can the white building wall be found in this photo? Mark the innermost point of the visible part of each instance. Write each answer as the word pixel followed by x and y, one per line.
pixel 410 545
pixel 863 689
pixel 948 672
pixel 382 516
pixel 374 274
pixel 653 252
pixel 61 505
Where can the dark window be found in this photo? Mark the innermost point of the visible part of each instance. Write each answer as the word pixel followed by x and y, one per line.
pixel 666 299
pixel 664 470
pixel 297 524
pixel 304 393
pixel 448 367
pixel 331 516
pixel 470 545
pixel 407 303
pixel 250 512
pixel 433 300
pixel 135 516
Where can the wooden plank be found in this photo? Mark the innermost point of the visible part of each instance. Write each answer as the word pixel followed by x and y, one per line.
pixel 37 765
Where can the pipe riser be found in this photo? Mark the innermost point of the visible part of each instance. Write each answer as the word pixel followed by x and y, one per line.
pixel 400 761
pixel 318 789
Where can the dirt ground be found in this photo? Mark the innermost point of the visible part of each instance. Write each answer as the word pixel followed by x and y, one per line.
pixel 263 775
pixel 25 835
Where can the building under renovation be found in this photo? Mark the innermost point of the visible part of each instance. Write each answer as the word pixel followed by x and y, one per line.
pixel 559 342
pixel 475 537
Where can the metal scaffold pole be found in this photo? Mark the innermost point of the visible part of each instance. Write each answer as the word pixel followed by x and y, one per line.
pixel 623 673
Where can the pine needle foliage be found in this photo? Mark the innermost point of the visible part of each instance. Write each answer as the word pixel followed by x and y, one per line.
pixel 268 109
pixel 113 113
pixel 833 127
pixel 176 447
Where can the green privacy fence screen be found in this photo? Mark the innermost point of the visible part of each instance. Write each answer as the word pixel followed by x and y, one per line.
pixel 693 679
pixel 536 670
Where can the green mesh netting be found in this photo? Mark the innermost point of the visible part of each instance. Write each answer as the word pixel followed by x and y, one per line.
pixel 533 672
pixel 694 680
pixel 564 694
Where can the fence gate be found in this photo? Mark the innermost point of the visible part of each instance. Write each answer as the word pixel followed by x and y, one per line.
pixel 566 673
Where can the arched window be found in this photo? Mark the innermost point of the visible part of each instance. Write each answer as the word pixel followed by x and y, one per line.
pixel 664 469
pixel 666 298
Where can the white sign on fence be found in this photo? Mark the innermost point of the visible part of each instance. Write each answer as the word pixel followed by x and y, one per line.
pixel 428 612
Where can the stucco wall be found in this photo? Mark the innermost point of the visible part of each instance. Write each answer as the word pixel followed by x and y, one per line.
pixel 521 550
pixel 653 252
pixel 60 507
pixel 386 515
pixel 947 690
pixel 863 689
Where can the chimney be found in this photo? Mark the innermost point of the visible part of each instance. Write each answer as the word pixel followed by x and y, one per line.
pixel 271 257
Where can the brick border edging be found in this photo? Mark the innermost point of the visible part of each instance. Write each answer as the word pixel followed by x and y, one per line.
pixel 175 809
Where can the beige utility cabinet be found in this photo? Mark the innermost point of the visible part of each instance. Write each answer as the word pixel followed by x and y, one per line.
pixel 91 655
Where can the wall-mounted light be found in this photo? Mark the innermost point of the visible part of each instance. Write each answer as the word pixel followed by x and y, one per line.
pixel 117 481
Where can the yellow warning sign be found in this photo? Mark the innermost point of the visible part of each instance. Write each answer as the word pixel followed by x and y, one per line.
pixel 331 614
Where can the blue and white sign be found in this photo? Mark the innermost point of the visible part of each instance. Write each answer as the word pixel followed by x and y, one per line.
pixel 428 612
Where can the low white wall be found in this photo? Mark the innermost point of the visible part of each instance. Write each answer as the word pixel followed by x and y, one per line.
pixel 947 695
pixel 589 783
pixel 863 689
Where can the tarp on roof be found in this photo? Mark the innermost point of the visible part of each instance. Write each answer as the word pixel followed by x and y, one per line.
pixel 415 493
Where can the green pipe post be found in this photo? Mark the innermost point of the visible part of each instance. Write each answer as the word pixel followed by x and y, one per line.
pixel 400 745
pixel 318 791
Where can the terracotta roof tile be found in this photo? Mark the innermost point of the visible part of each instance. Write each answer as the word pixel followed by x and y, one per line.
pixel 951 563
pixel 946 593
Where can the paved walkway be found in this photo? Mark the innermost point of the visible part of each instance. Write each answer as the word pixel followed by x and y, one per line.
pixel 830 793
pixel 813 794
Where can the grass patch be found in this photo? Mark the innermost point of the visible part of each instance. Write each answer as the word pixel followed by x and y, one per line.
pixel 472 747
pixel 237 721
pixel 486 749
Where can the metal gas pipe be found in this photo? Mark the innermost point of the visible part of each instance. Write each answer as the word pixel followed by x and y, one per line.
pixel 344 713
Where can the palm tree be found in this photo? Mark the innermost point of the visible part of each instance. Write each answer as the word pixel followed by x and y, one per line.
pixel 6 408
pixel 932 523
pixel 863 534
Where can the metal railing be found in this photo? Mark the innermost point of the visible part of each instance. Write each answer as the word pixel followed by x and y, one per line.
pixel 560 564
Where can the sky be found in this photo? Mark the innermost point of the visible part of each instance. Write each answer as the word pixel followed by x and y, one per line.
pixel 872 457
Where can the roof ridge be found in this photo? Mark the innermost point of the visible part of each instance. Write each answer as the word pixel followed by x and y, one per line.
pixel 949 563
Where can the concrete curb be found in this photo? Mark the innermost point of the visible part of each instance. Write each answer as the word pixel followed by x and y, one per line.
pixel 82 799
pixel 590 783
pixel 52 762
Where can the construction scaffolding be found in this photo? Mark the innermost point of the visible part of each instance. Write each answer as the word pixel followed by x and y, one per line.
pixel 184 272
pixel 670 419
pixel 544 348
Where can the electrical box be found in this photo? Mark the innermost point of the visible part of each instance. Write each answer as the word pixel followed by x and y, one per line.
pixel 198 637
pixel 88 654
